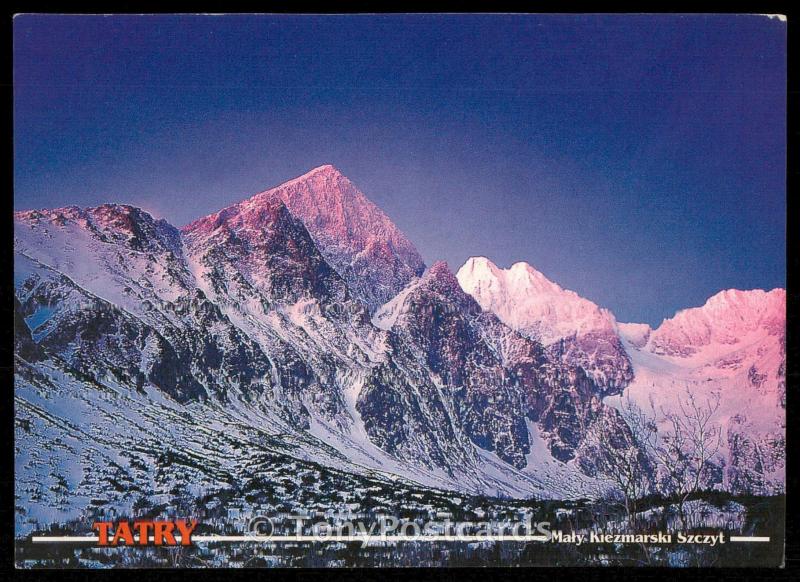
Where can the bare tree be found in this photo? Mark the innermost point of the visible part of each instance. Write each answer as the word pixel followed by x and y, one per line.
pixel 620 457
pixel 681 444
pixel 685 450
pixel 622 460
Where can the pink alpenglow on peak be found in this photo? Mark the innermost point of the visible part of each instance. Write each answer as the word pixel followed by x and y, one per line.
pixel 728 318
pixel 581 333
pixel 526 300
pixel 355 236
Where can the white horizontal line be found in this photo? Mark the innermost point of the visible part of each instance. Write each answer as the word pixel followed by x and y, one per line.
pixel 295 538
pixel 60 539
pixel 352 538
pixel 373 538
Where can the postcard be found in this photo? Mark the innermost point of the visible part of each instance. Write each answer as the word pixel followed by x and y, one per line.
pixel 399 290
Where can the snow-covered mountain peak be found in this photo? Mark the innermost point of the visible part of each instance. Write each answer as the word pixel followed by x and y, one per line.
pixel 526 300
pixel 523 275
pixel 353 234
pixel 476 265
pixel 582 333
pixel 523 269
pixel 519 275
pixel 754 301
pixel 728 318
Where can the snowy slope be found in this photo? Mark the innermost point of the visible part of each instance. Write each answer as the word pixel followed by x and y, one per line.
pixel 733 347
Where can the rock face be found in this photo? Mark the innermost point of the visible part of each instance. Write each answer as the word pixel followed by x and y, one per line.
pixel 354 236
pixel 300 324
pixel 572 327
pixel 496 378
pixel 440 329
pixel 128 309
pixel 24 345
pixel 268 276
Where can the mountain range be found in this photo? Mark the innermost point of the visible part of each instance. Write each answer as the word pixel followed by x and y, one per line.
pixel 297 339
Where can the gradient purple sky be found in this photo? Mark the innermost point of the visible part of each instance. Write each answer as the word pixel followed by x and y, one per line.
pixel 639 160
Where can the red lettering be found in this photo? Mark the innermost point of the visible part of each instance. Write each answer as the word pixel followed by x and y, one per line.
pixel 123 533
pixel 102 530
pixel 186 530
pixel 144 531
pixel 162 532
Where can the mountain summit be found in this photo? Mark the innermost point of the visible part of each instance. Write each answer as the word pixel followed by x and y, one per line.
pixel 358 240
pixel 524 299
pixel 726 319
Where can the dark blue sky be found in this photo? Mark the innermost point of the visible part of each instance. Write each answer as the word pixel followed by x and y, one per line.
pixel 639 160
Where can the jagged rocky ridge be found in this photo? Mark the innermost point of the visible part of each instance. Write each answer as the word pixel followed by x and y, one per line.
pixel 497 377
pixel 269 317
